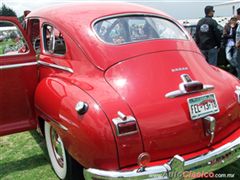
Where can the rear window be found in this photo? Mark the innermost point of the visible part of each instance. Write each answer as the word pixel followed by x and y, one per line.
pixel 128 29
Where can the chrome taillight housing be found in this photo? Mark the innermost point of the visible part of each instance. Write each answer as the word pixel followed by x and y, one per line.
pixel 125 125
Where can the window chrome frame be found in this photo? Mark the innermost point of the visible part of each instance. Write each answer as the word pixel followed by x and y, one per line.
pixel 47 52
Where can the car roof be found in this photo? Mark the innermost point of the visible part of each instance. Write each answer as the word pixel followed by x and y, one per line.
pixel 76 19
pixel 93 10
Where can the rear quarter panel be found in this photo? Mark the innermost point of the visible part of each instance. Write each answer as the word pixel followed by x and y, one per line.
pixel 89 138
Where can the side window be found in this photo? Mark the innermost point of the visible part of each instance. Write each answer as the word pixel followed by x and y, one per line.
pixel 33 29
pixel 53 40
pixel 12 41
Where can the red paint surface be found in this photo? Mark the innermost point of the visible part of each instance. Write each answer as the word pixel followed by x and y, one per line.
pixel 131 78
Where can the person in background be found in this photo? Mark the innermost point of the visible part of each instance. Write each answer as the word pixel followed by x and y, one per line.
pixel 229 35
pixel 238 38
pixel 238 29
pixel 208 36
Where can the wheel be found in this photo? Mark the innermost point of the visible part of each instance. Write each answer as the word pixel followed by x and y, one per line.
pixel 63 164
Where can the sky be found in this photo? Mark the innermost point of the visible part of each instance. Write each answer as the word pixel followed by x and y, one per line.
pixel 179 9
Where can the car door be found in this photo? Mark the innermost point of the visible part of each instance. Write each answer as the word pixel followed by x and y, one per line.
pixel 18 78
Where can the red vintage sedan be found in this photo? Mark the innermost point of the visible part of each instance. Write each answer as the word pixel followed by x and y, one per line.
pixel 120 91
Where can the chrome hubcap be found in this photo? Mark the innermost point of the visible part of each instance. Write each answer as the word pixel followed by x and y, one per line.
pixel 57 146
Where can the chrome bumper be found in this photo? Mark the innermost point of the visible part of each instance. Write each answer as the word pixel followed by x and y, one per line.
pixel 176 167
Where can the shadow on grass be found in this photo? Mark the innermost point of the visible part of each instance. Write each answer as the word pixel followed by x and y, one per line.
pixel 39 139
pixel 23 164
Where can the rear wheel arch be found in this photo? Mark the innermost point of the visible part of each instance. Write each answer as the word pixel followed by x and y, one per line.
pixel 55 90
pixel 63 164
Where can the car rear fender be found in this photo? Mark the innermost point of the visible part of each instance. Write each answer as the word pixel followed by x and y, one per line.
pixel 87 137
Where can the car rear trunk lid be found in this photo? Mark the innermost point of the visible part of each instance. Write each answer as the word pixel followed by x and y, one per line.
pixel 165 123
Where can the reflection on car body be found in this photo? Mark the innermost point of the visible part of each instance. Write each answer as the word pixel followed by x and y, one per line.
pixel 118 91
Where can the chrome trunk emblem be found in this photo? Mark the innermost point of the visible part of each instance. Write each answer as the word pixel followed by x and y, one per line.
pixel 179 69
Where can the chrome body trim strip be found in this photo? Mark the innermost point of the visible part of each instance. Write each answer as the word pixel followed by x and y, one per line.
pixel 12 66
pixel 209 162
pixel 55 66
pixel 48 118
pixel 59 125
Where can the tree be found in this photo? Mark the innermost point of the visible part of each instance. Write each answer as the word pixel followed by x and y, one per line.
pixel 21 18
pixel 6 11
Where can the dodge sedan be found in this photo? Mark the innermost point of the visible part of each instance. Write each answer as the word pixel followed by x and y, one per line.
pixel 119 91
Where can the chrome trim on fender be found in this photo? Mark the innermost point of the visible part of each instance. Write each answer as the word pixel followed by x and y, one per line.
pixel 55 66
pixel 176 167
pixel 12 66
pixel 59 125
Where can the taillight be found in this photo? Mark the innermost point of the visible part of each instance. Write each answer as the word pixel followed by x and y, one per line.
pixel 188 85
pixel 125 125
pixel 128 127
pixel 193 86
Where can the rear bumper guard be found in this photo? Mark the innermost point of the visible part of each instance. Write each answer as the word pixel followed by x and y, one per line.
pixel 176 167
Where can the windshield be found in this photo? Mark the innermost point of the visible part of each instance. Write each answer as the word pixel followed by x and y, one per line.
pixel 128 29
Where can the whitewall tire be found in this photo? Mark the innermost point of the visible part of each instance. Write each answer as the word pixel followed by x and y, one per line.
pixel 56 151
pixel 65 167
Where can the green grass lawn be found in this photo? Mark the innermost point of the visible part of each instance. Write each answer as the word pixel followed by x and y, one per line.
pixel 4 44
pixel 23 156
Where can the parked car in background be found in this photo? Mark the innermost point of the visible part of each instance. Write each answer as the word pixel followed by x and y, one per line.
pixel 191 24
pixel 120 91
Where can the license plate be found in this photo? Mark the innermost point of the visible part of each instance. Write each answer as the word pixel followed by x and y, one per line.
pixel 202 106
